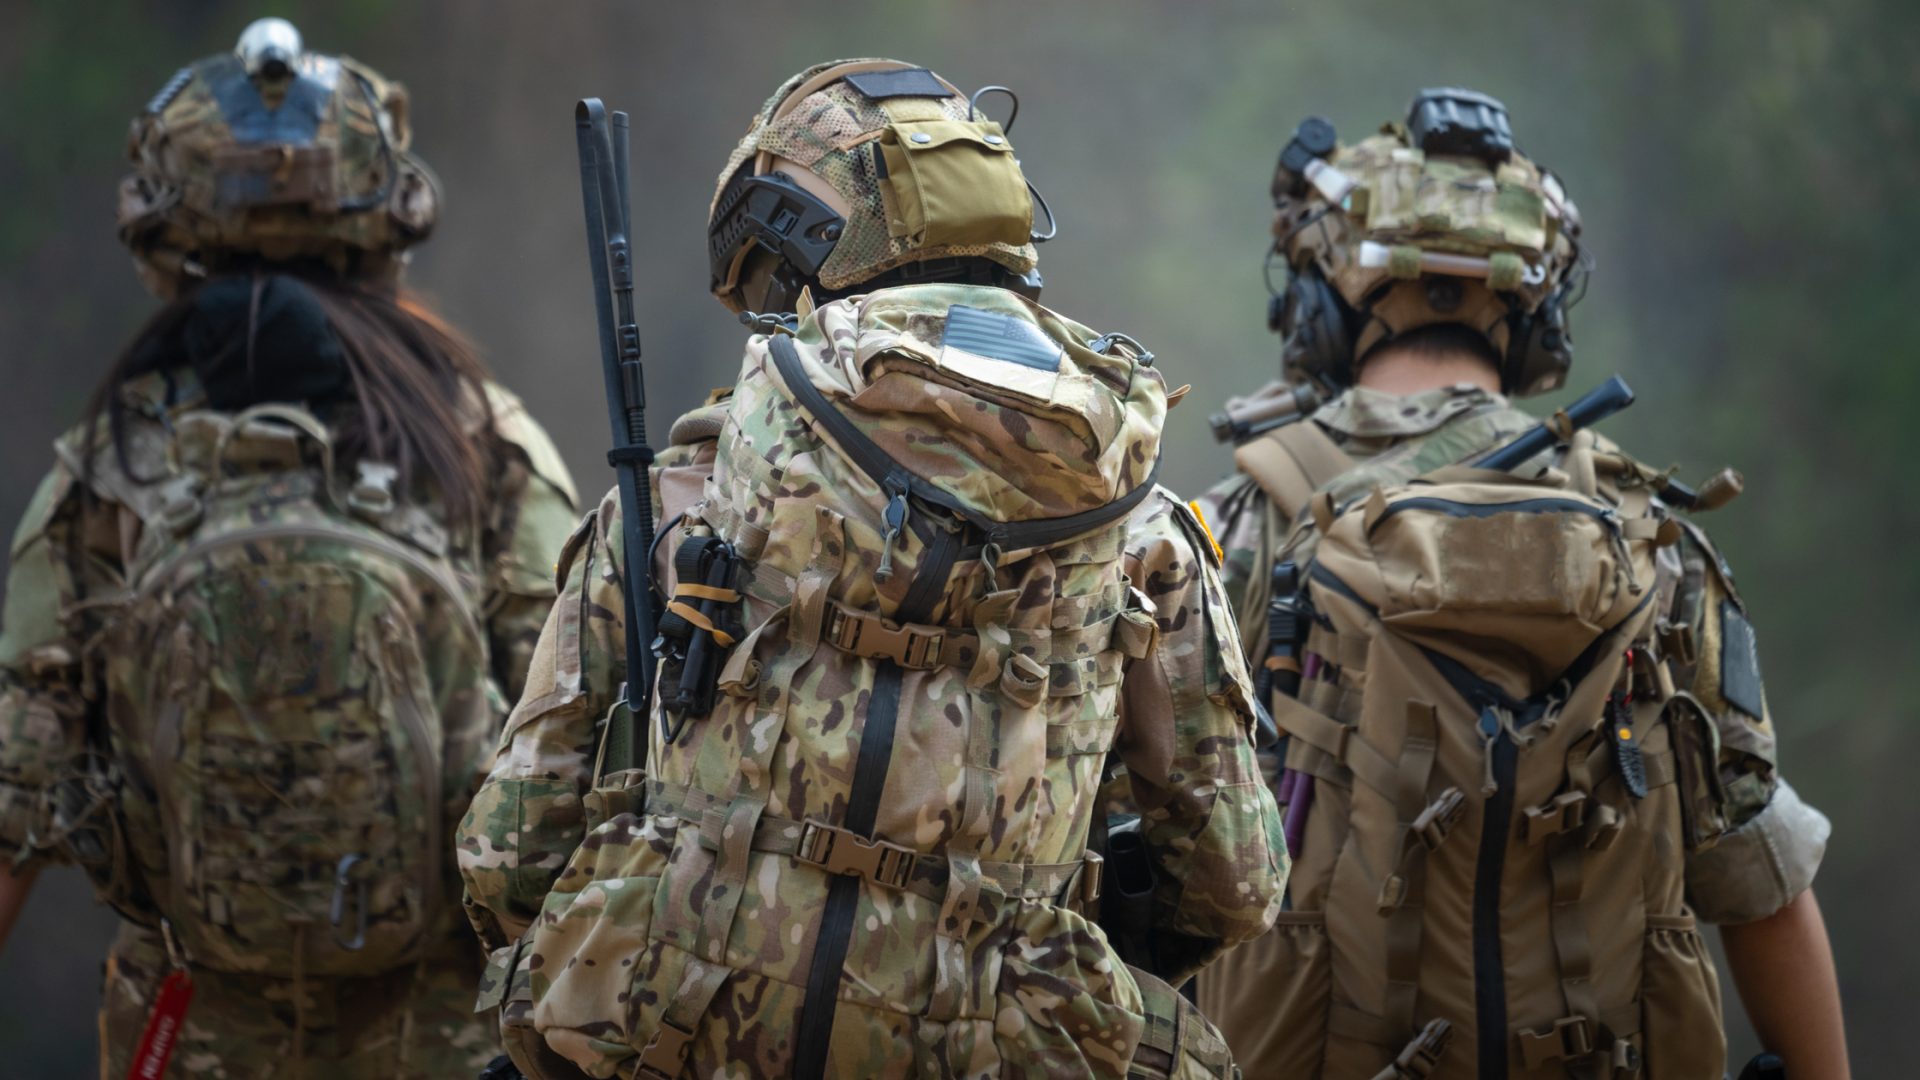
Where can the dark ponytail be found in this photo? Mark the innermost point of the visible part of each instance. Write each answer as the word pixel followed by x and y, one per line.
pixel 392 381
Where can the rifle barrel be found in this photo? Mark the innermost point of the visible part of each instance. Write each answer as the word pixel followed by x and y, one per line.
pixel 1594 406
pixel 603 191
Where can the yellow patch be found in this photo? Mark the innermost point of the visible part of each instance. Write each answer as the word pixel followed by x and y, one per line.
pixel 1194 505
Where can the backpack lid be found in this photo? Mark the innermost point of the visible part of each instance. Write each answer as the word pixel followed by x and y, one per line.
pixel 1013 414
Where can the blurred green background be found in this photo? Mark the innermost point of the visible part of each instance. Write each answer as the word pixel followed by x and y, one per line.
pixel 1747 172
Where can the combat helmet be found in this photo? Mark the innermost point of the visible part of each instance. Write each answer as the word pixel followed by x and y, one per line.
pixel 1435 220
pixel 861 174
pixel 271 153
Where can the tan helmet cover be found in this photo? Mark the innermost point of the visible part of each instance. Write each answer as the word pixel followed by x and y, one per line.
pixel 918 177
pixel 1411 240
pixel 311 164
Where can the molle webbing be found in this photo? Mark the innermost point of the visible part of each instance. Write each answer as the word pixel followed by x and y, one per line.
pixel 1358 760
pixel 1291 463
pixel 892 476
pixel 838 851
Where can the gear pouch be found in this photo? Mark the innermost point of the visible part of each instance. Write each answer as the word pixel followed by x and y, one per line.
pixel 951 183
pixel 1696 752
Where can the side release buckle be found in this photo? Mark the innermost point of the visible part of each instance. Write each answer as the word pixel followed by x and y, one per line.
pixel 1419 1058
pixel 870 636
pixel 1570 1038
pixel 842 851
pixel 1436 822
pixel 1564 812
pixel 666 1053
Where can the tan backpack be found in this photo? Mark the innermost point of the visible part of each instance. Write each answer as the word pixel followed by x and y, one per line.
pixel 1499 784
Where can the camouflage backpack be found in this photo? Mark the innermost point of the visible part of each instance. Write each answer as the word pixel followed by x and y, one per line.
pixel 909 550
pixel 1498 778
pixel 297 695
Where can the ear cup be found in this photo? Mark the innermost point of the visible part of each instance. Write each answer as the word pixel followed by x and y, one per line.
pixel 1318 342
pixel 1539 348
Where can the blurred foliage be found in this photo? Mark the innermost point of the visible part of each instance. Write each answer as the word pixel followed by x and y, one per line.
pixel 1746 172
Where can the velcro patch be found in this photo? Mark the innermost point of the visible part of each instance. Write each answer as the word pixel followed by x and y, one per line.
pixel 1000 350
pixel 900 82
pixel 1740 681
pixel 1001 337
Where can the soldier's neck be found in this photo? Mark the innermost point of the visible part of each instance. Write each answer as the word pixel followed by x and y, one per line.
pixel 1408 371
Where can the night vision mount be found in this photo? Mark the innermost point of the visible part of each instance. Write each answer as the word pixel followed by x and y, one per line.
pixel 1454 122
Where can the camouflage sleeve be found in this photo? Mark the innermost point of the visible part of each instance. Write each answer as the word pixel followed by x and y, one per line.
pixel 1249 530
pixel 531 516
pixel 1774 840
pixel 528 816
pixel 1186 737
pixel 43 715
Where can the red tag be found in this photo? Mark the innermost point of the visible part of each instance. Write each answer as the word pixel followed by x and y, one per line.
pixel 163 1027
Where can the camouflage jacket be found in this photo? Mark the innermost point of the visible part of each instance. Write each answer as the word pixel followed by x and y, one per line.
pixel 1777 840
pixel 1036 965
pixel 68 550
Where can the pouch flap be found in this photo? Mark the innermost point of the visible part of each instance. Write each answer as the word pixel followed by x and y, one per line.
pixel 997 401
pixel 953 183
pixel 916 136
pixel 1513 580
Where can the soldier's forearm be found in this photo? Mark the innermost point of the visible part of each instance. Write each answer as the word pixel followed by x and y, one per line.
pixel 1783 968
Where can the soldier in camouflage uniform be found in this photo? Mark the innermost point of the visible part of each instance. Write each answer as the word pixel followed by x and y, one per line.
pixel 1418 361
pixel 265 614
pixel 958 586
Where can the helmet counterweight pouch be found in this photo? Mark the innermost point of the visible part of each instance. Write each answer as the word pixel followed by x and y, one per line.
pixel 952 183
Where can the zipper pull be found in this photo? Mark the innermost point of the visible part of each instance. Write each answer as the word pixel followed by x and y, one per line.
pixel 1490 729
pixel 896 519
pixel 1616 529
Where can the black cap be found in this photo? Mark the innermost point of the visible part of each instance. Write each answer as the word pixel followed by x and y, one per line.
pixel 1312 140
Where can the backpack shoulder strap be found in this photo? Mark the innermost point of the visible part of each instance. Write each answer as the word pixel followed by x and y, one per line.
pixel 1292 462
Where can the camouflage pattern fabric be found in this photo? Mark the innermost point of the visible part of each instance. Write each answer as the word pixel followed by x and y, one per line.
pixel 833 133
pixel 1514 218
pixel 1773 841
pixel 208 185
pixel 614 903
pixel 66 798
pixel 415 1024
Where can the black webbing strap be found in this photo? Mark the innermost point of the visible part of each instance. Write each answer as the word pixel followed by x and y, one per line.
pixel 843 893
pixel 892 476
pixel 883 705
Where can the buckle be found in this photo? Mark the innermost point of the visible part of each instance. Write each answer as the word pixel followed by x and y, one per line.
pixel 840 851
pixel 1570 1037
pixel 875 638
pixel 180 505
pixel 1604 826
pixel 666 1053
pixel 1436 822
pixel 1420 1057
pixel 1563 812
pixel 1092 865
pixel 372 491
